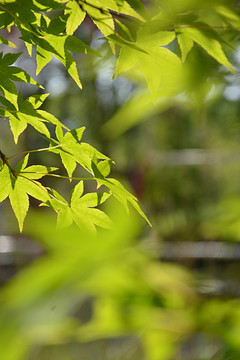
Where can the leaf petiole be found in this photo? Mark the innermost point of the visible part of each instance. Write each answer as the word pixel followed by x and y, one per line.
pixel 5 160
pixel 59 176
pixel 32 151
pixel 43 188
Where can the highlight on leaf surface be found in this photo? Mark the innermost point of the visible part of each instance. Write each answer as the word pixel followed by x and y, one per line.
pixel 19 183
pixel 150 45
pixel 81 209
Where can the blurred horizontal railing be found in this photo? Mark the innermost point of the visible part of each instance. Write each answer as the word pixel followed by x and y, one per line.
pixel 190 157
pixel 212 261
pixel 200 250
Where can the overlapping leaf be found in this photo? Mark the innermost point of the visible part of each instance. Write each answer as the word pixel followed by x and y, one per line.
pixel 27 113
pixel 61 46
pixel 9 74
pixel 5 183
pixel 39 30
pixel 100 13
pixel 21 182
pixel 81 209
pixel 207 38
pixel 160 66
pixel 6 42
pixel 231 15
pixel 76 16
pixel 49 36
pixel 73 151
pixel 122 195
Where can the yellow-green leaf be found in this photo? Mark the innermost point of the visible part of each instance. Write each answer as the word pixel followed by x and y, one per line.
pixel 43 57
pixel 17 126
pixel 76 16
pixel 185 44
pixel 77 193
pixel 68 162
pixel 206 38
pixel 19 202
pixel 64 217
pixel 5 183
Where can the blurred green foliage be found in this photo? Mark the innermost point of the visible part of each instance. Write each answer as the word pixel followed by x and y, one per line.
pixel 114 295
pixel 92 293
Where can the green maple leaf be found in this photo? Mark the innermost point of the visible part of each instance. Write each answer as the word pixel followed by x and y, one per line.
pixel 81 209
pixel 5 183
pixel 19 183
pixel 25 12
pixel 101 170
pixel 120 7
pixel 122 195
pixel 100 13
pixel 19 201
pixel 69 143
pixel 6 42
pixel 160 66
pixel 6 20
pixel 98 10
pixel 101 17
pixel 229 14
pixel 207 38
pixel 27 113
pixel 76 16
pixel 51 40
pixel 185 43
pixel 10 73
pixel 61 46
pixel 73 151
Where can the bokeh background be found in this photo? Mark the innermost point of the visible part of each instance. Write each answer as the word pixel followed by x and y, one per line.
pixel 175 295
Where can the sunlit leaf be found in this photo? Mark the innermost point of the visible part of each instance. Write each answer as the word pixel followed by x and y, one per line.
pixel 208 39
pixel 76 16
pixel 185 43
